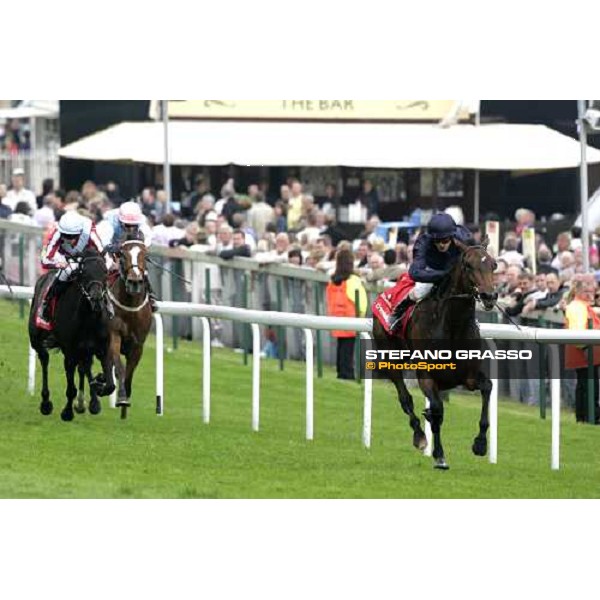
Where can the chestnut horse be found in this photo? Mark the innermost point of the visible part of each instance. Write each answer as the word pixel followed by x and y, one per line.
pixel 133 316
pixel 448 314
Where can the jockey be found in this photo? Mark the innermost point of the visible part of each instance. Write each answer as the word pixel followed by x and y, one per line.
pixel 129 223
pixel 73 235
pixel 434 255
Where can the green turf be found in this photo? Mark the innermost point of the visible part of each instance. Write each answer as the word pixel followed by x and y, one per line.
pixel 177 456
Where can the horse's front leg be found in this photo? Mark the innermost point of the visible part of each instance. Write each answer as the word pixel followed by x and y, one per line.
pixel 435 415
pixel 80 404
pixel 484 383
pixel 95 406
pixel 70 368
pixel 407 404
pixel 132 362
pixel 45 405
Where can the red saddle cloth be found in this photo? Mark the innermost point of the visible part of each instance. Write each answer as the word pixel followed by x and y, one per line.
pixel 384 304
pixel 39 321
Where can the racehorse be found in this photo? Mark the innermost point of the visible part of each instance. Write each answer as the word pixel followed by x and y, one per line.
pixel 133 316
pixel 448 314
pixel 80 331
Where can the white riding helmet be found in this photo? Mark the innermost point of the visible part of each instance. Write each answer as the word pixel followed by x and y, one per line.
pixel 71 223
pixel 130 213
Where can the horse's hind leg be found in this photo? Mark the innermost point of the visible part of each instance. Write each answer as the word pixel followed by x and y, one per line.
pixel 407 404
pixel 80 404
pixel 480 443
pixel 46 406
pixel 70 367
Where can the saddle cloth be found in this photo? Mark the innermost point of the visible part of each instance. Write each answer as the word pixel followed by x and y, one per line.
pixel 386 302
pixel 39 321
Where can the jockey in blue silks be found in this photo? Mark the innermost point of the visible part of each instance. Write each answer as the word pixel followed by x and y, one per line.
pixel 434 255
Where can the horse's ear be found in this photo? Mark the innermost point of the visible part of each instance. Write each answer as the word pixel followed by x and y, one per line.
pixel 485 241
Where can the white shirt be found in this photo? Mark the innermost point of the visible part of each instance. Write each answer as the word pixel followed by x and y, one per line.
pixel 13 198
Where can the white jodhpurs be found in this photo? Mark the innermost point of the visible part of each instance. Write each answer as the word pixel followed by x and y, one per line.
pixel 420 290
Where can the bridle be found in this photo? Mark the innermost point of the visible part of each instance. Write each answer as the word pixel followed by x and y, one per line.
pixel 124 271
pixel 86 289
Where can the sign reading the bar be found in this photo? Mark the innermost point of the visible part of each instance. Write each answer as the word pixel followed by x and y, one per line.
pixel 373 110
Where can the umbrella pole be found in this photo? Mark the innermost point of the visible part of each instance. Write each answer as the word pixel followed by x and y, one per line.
pixel 167 167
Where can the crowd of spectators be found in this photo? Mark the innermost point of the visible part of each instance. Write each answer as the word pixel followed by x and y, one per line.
pixel 297 230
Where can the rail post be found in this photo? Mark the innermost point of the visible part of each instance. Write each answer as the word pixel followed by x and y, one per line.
pixel 591 380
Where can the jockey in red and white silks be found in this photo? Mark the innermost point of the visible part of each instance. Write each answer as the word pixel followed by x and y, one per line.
pixel 73 235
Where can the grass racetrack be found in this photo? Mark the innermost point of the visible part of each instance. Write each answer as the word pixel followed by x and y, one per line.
pixel 177 456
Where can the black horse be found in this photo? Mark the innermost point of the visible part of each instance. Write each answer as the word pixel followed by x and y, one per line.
pixel 447 314
pixel 81 322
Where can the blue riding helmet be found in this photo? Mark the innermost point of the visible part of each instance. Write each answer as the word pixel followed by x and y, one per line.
pixel 441 226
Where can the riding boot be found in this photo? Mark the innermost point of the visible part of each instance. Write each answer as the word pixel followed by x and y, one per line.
pixel 396 317
pixel 56 289
pixel 151 295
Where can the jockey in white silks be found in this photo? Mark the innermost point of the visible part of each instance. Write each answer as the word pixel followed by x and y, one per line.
pixel 123 224
pixel 73 234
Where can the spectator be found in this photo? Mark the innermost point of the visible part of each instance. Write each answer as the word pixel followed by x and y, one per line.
pixel 47 188
pixel 577 316
pixel 312 231
pixel 260 215
pixel 239 222
pixel 294 212
pixel 280 211
pixel 555 292
pixel 164 233
pixel 509 252
pixel 239 247
pixel 526 289
pixel 113 194
pixel 5 211
pixel 190 203
pixel 21 214
pixel 18 193
pixel 341 294
pixel 544 260
pixel 295 257
pixel 370 198
pixel 190 237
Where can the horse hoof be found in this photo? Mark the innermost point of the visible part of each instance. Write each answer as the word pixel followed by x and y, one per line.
pixel 67 415
pixel 79 408
pixel 124 411
pixel 479 447
pixel 441 464
pixel 95 408
pixel 46 408
pixel 105 390
pixel 420 441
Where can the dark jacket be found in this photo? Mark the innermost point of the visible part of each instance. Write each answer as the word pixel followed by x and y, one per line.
pixel 5 211
pixel 243 250
pixel 429 264
pixel 551 300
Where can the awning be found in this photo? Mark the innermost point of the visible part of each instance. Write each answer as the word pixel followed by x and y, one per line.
pixel 31 108
pixel 497 147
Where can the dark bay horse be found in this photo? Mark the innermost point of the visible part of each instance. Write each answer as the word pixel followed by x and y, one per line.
pixel 80 331
pixel 133 316
pixel 447 314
